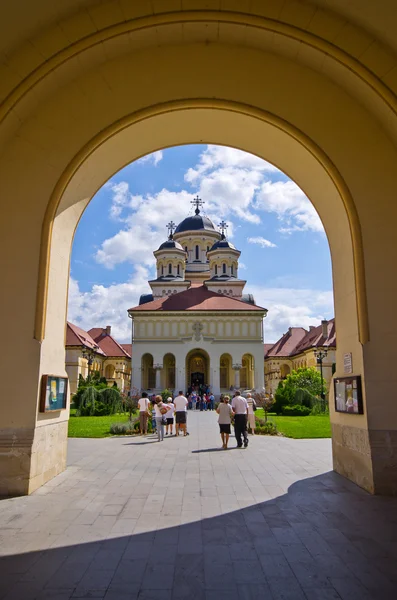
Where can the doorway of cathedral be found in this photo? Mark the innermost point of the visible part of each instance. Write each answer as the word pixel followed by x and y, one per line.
pixel 197 368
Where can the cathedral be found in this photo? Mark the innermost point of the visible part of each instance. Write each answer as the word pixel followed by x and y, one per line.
pixel 197 326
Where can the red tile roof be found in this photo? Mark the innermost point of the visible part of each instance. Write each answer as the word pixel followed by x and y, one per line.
pixel 197 298
pixel 286 345
pixel 75 336
pixel 314 338
pixel 267 348
pixel 127 348
pixel 107 343
pixel 298 339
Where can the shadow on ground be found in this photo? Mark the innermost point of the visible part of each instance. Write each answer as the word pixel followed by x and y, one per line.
pixel 325 539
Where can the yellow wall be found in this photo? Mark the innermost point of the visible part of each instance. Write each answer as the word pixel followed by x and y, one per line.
pixel 85 92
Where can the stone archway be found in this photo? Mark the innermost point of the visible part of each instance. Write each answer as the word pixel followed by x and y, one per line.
pixel 66 129
pixel 197 368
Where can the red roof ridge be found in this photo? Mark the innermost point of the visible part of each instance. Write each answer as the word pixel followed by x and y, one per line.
pixel 197 298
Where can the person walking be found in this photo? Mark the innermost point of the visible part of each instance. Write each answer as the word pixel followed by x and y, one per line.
pixel 225 413
pixel 212 401
pixel 240 409
pixel 143 405
pixel 153 411
pixel 251 408
pixel 161 410
pixel 194 401
pixel 170 415
pixel 180 403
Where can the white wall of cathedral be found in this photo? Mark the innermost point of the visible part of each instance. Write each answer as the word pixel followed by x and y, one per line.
pixel 235 336
pixel 223 264
pixel 171 266
pixel 197 245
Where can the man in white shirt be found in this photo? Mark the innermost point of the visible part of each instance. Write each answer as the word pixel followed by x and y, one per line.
pixel 143 405
pixel 240 409
pixel 180 404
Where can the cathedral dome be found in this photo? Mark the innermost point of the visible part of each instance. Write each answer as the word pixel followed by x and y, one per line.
pixel 171 245
pixel 195 223
pixel 222 245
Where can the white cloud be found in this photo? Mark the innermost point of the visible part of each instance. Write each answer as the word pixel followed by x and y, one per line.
pixel 261 241
pixel 103 305
pixel 215 157
pixel 292 207
pixel 144 225
pixel 242 265
pixel 154 158
pixel 291 307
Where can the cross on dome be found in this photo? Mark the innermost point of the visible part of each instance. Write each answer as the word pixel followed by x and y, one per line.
pixel 197 202
pixel 223 225
pixel 171 228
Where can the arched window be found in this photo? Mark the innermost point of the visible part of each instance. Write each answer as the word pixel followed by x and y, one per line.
pixel 197 252
pixel 170 269
pixel 216 269
pixel 186 249
pixel 162 269
pixel 224 268
pixel 178 270
pixel 208 248
pixel 232 270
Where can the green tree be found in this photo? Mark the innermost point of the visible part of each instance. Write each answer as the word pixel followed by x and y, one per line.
pixel 306 378
pixel 302 386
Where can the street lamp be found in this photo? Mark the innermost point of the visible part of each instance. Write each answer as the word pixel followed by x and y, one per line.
pixel 320 355
pixel 89 355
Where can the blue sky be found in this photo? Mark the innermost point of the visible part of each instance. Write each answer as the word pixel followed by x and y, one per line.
pixel 284 251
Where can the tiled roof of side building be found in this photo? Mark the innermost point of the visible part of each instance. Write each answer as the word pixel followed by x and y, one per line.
pixel 197 298
pixel 315 338
pixel 266 348
pixel 107 343
pixel 127 348
pixel 75 336
pixel 286 345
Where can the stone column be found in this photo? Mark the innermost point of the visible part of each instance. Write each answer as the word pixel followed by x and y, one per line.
pixel 215 383
pixel 236 368
pixel 158 368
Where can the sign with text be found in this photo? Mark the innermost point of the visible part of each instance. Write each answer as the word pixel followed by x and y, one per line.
pixel 348 363
pixel 53 393
pixel 348 395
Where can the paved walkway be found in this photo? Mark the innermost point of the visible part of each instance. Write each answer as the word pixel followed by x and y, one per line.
pixel 133 518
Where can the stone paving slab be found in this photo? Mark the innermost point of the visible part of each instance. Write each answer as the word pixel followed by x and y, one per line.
pixel 132 519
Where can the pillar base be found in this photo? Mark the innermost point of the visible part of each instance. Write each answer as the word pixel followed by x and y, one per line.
pixel 31 457
pixel 366 457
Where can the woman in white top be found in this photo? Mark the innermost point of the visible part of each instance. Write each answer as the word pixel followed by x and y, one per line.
pixel 225 413
pixel 169 416
pixel 251 416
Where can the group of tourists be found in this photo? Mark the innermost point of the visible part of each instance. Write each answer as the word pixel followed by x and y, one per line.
pixel 163 415
pixel 239 412
pixel 204 401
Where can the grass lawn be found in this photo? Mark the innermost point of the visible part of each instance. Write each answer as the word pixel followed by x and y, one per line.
pixel 300 427
pixel 93 427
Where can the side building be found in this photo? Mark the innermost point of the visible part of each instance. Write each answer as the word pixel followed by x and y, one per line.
pixel 298 348
pixel 97 350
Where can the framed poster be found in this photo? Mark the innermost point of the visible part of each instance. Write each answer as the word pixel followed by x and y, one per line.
pixel 53 393
pixel 348 395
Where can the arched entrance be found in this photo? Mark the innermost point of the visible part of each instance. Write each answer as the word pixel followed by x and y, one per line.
pixel 225 372
pixel 169 372
pixel 197 368
pixel 174 95
pixel 247 372
pixel 148 372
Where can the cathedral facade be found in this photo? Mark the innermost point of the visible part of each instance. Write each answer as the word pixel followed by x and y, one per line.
pixel 197 326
